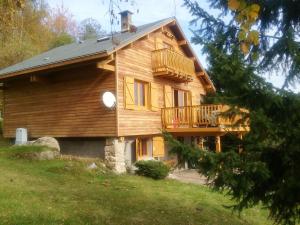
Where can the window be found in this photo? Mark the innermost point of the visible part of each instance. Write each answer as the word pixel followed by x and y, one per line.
pixel 140 94
pixel 141 148
pixel 180 98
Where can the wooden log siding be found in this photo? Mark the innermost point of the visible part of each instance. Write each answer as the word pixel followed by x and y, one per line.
pixel 136 61
pixel 67 106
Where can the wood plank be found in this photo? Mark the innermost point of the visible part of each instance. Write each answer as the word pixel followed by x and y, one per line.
pixel 68 106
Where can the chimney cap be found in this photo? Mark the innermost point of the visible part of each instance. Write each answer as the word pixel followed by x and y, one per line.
pixel 125 12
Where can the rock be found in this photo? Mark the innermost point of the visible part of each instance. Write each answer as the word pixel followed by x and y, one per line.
pixel 92 166
pixel 49 142
pixel 47 155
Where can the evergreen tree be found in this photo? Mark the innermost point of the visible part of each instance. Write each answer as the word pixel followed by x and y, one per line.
pixel 268 169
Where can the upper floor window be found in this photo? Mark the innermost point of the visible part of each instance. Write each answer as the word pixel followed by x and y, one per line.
pixel 140 93
pixel 180 98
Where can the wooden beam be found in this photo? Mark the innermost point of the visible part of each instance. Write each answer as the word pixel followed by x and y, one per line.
pixel 168 34
pixel 218 144
pixel 146 37
pixel 201 143
pixel 105 64
pixel 107 67
pixel 240 136
pixel 200 74
pixel 193 58
pixel 173 23
pixel 2 86
pixel 183 42
pixel 38 79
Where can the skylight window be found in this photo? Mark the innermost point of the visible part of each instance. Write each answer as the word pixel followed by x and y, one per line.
pixel 103 39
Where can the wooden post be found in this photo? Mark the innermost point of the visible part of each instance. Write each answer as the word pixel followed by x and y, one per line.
pixel 218 144
pixel 240 136
pixel 201 143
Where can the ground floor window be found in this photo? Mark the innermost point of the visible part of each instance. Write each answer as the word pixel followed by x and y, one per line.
pixel 150 147
pixel 142 148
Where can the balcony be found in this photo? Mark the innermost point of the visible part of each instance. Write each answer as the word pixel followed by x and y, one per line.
pixel 172 65
pixel 202 119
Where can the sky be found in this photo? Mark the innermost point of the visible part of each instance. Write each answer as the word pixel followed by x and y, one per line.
pixel 148 11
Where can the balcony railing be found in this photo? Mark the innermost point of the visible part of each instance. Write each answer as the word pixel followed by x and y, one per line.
pixel 199 116
pixel 173 65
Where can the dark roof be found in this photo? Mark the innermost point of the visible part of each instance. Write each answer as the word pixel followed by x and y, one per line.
pixel 85 48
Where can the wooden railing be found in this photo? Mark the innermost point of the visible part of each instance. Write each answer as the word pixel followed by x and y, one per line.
pixel 169 63
pixel 197 116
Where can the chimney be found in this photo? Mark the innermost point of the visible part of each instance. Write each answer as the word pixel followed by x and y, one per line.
pixel 126 21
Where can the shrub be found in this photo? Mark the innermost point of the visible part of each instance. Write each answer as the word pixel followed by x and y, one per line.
pixel 151 168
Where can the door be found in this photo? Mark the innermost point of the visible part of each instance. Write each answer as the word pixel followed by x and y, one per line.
pixel 181 99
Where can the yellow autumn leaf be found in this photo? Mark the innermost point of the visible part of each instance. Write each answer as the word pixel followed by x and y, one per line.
pixel 253 37
pixel 255 8
pixel 233 4
pixel 245 48
pixel 242 35
pixel 253 15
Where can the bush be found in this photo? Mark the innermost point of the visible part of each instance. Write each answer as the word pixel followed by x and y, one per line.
pixel 151 168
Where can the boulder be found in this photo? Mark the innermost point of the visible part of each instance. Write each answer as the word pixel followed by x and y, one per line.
pixel 92 166
pixel 47 155
pixel 49 142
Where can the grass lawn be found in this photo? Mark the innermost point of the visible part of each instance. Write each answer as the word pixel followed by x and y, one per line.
pixel 65 192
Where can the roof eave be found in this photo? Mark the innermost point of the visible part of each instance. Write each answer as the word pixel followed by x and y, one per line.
pixel 212 88
pixel 54 65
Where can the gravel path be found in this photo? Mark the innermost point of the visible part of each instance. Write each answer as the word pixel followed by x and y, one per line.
pixel 188 176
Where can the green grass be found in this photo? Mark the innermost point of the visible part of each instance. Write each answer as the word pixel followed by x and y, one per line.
pixel 64 192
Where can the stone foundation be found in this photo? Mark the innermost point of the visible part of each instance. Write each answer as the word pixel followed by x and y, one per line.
pixel 115 154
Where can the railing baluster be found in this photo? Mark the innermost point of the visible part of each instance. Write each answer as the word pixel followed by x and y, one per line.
pixel 166 59
pixel 195 116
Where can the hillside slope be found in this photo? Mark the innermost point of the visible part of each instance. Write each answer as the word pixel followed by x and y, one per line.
pixel 64 192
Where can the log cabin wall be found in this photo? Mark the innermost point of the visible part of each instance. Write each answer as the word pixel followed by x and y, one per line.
pixel 67 105
pixel 135 61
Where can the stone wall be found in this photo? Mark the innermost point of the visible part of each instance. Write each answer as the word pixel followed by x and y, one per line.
pixel 83 147
pixel 115 154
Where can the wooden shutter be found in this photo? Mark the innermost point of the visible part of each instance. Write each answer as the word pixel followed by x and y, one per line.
pixel 168 96
pixel 158 147
pixel 159 43
pixel 154 97
pixel 129 92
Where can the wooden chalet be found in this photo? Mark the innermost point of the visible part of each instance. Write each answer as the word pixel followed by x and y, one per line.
pixel 154 74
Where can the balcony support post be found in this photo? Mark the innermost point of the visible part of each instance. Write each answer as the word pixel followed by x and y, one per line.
pixel 240 136
pixel 201 143
pixel 218 144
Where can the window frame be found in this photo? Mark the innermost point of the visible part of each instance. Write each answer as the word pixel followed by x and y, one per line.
pixel 142 150
pixel 137 93
pixel 185 96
